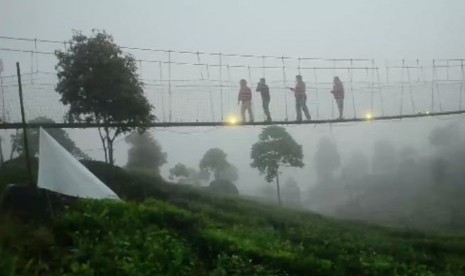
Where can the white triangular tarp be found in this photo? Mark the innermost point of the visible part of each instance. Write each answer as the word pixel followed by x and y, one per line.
pixel 60 172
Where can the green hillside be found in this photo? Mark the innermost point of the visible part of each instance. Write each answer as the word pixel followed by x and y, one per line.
pixel 182 230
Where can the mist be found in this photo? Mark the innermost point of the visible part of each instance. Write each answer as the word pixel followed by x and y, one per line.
pixel 406 173
pixel 406 185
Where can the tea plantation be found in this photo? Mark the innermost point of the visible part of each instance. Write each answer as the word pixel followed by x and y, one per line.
pixel 180 230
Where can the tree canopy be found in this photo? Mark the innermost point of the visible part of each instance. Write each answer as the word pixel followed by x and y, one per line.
pixel 100 85
pixel 179 171
pixel 187 175
pixel 145 152
pixel 215 162
pixel 58 134
pixel 275 149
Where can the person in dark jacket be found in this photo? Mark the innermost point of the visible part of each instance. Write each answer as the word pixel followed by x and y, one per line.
pixel 265 92
pixel 300 98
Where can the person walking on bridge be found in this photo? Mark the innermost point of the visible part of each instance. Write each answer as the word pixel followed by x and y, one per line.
pixel 338 93
pixel 300 98
pixel 265 92
pixel 245 97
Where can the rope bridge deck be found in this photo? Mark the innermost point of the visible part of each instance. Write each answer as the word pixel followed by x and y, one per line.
pixel 227 124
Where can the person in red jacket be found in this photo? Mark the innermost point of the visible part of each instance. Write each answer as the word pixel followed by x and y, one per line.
pixel 338 93
pixel 300 99
pixel 245 97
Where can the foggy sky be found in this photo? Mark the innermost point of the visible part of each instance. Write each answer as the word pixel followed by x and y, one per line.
pixel 357 28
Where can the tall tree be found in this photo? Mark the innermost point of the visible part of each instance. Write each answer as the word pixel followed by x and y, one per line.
pixel 275 149
pixel 215 162
pixel 145 153
pixel 58 134
pixel 100 84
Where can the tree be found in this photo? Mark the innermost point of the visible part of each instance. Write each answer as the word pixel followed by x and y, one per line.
pixel 223 186
pixel 188 175
pixel 229 173
pixel 145 152
pixel 58 134
pixel 275 149
pixel 100 84
pixel 214 161
pixel 179 171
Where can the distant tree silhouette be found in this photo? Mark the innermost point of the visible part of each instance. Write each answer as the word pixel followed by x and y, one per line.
pixel 187 175
pixel 145 151
pixel 215 162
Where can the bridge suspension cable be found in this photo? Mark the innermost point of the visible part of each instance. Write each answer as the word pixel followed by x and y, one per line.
pixel 188 88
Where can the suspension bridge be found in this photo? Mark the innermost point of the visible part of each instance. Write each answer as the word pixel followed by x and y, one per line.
pixel 194 88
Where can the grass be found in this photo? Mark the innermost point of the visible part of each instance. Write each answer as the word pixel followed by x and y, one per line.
pixel 182 230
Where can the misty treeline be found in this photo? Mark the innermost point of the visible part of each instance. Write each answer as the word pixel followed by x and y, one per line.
pixel 274 151
pixel 409 186
pixel 214 166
